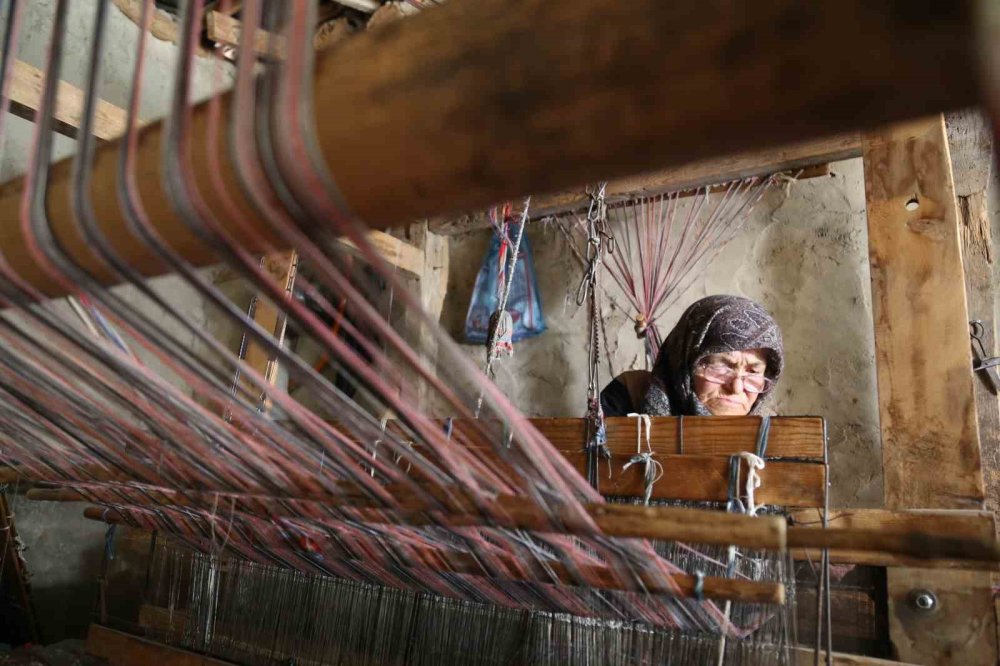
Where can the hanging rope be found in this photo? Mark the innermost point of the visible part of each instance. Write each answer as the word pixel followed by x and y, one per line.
pixel 598 239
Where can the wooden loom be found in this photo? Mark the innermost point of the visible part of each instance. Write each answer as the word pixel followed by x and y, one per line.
pixel 932 241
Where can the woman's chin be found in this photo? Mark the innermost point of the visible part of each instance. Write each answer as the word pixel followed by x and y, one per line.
pixel 726 408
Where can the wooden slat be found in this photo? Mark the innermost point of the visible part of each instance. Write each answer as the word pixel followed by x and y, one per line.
pixel 805 155
pixel 26 97
pixel 121 649
pixel 806 657
pixel 282 268
pixel 980 525
pixel 706 479
pixel 397 252
pixel 790 437
pixel 930 438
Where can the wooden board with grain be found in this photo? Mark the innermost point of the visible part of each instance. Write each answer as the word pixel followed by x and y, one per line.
pixel 960 631
pixel 810 156
pixel 930 438
pixel 121 649
pixel 706 479
pixel 930 432
pixel 979 525
pixel 789 437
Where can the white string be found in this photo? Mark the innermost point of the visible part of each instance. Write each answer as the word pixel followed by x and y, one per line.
pixel 653 471
pixel 754 463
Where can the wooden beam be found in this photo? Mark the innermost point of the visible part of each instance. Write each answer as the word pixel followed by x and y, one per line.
pixel 978 525
pixel 811 156
pixel 425 124
pixel 930 434
pixel 553 573
pixel 806 657
pixel 282 268
pixel 405 256
pixel 789 436
pixel 121 649
pixel 26 97
pixel 930 438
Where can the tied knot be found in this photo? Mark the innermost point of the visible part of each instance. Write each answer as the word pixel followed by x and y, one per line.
pixel 641 326
pixel 652 469
pixel 754 463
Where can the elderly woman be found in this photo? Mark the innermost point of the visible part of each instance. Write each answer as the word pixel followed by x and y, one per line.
pixel 722 358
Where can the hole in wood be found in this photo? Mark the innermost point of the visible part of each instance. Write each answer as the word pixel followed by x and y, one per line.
pixel 913 204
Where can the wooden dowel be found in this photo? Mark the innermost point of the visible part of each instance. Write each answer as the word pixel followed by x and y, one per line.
pixel 916 544
pixel 625 520
pixel 615 520
pixel 409 113
pixel 599 577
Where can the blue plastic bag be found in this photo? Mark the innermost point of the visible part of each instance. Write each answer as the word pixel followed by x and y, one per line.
pixel 523 304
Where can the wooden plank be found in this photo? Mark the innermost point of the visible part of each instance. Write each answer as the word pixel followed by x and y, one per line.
pixel 282 268
pixel 959 631
pixel 930 438
pixel 806 155
pixel 930 434
pixel 406 257
pixel 979 525
pixel 121 649
pixel 806 657
pixel 789 437
pixel 853 612
pixel 25 92
pixel 706 479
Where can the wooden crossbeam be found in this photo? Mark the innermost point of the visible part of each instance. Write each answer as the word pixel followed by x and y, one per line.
pixel 789 436
pixel 812 157
pixel 598 576
pixel 980 525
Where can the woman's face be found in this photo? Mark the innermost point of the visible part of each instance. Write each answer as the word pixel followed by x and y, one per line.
pixel 728 384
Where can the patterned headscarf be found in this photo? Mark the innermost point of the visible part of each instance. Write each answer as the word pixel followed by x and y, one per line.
pixel 713 325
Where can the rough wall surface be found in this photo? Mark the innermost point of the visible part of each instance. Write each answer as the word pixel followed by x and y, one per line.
pixel 803 254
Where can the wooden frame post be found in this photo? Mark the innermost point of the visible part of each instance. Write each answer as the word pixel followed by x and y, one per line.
pixel 930 435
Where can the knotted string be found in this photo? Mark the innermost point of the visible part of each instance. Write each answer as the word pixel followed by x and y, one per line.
pixel 653 471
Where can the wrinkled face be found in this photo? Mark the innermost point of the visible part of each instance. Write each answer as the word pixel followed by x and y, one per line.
pixel 728 384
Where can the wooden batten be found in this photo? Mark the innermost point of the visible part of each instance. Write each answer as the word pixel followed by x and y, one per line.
pixel 121 649
pixel 978 525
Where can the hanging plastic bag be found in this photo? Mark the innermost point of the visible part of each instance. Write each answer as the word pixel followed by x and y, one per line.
pixel 523 304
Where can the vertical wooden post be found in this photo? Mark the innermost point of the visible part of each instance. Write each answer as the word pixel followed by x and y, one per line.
pixel 282 267
pixel 927 406
pixel 930 438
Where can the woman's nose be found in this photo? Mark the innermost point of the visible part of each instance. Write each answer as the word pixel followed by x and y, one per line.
pixel 735 385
